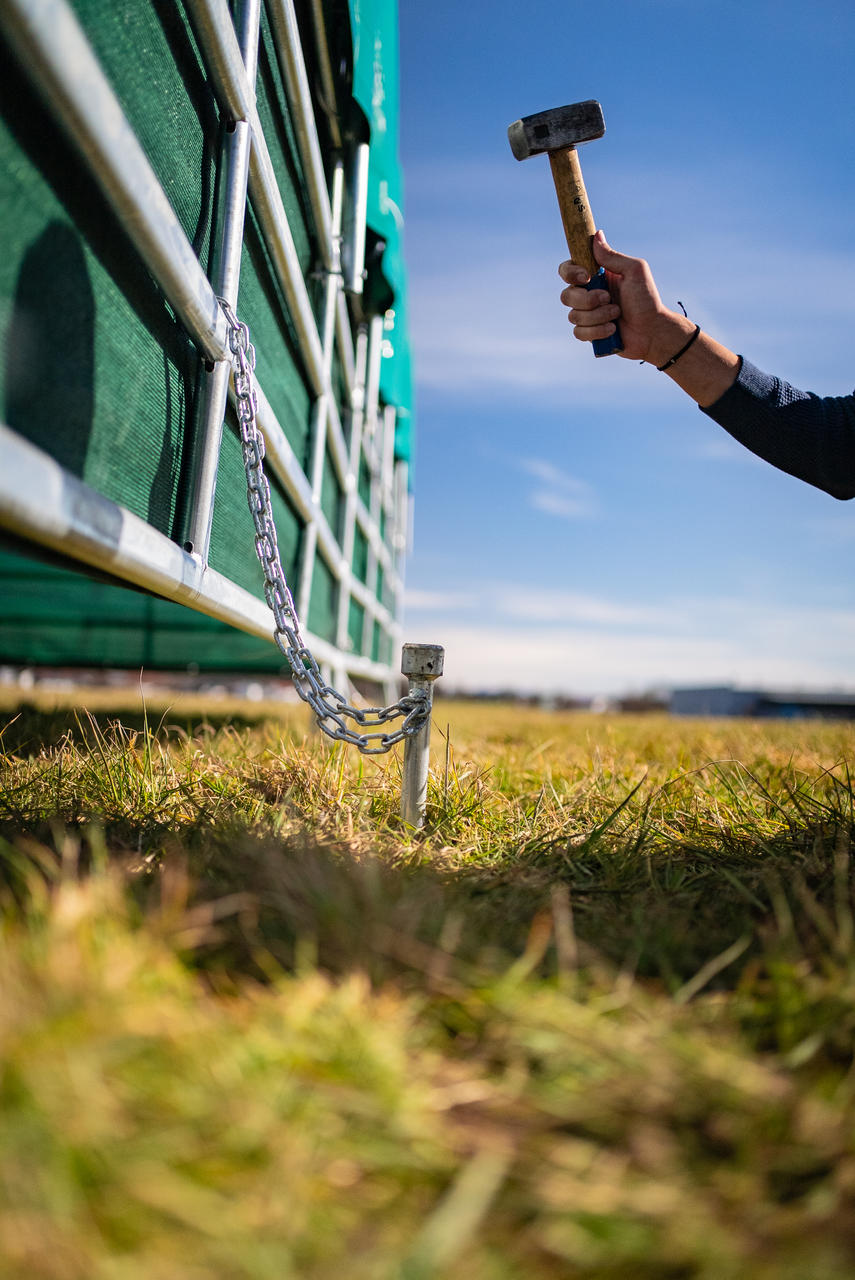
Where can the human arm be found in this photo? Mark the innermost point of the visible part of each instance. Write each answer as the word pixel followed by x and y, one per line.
pixel 808 436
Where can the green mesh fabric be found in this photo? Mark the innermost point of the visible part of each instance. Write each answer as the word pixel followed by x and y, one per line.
pixel 54 617
pixel 360 555
pixel 332 498
pixel 385 594
pixel 364 483
pixel 98 373
pixel 323 606
pixel 232 530
pixel 355 625
pixel 381 646
pixel 152 61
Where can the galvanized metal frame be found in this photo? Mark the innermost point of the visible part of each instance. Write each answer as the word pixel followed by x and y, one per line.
pixel 55 51
pixel 76 520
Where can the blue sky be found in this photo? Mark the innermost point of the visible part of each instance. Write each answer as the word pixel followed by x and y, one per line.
pixel 580 525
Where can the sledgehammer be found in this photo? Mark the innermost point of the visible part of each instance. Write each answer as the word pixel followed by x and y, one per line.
pixel 559 132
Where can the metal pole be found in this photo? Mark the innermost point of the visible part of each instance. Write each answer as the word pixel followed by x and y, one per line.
pixel 322 404
pixel 422 664
pixel 369 448
pixel 354 243
pixel 213 386
pixel 286 37
pixel 214 382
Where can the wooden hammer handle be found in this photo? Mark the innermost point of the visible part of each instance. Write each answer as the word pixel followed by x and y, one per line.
pixel 579 225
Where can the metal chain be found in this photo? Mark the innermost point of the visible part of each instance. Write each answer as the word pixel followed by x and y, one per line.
pixel 331 708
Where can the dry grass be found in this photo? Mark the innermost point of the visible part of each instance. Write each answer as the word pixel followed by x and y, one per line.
pixel 596 1021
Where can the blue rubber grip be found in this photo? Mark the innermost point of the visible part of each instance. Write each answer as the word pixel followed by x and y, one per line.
pixel 605 346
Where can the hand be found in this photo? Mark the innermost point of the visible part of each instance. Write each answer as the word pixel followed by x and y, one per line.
pixel 647 327
pixel 649 330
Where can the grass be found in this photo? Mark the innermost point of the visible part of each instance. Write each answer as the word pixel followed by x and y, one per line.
pixel 596 1021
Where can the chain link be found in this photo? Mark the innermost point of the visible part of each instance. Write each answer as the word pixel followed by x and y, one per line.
pixel 331 708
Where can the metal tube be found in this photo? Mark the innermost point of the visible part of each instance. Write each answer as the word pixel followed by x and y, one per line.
pixel 344 340
pixel 236 147
pixel 390 417
pixel 212 393
pixel 399 539
pixel 354 246
pixel 422 664
pixel 286 37
pixel 321 412
pixel 224 58
pixel 334 276
pixel 399 534
pixel 325 65
pixel 371 570
pixel 214 388
pixel 369 448
pixel 384 555
pixel 267 201
pixel 357 415
pixel 82 524
pixel 372 385
pixel 336 440
pixel 329 102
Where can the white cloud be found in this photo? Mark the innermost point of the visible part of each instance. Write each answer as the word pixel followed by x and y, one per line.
pixel 542 606
pixel 547 605
pixel 592 662
pixel 445 601
pixel 561 504
pixel 563 494
pixel 553 475
pixel 542 639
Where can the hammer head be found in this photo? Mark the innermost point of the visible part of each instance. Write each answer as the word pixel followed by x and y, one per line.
pixel 557 129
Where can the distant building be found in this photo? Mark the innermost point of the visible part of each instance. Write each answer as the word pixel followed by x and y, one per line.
pixel 762 703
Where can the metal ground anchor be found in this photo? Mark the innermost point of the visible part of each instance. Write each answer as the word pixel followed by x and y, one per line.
pixel 421 664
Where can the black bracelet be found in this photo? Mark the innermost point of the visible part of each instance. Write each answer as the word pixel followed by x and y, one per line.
pixel 681 352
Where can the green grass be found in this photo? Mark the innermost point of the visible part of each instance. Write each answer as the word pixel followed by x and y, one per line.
pixel 597 1020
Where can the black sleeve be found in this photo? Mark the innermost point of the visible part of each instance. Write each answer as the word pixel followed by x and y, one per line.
pixel 810 437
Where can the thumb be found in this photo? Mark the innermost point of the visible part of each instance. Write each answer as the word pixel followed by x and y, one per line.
pixel 607 257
